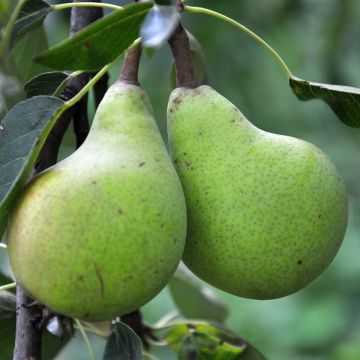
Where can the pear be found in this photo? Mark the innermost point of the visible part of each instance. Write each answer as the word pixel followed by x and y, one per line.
pixel 266 213
pixel 101 233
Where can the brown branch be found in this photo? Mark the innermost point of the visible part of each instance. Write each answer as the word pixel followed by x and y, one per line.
pixel 180 47
pixel 81 121
pixel 29 317
pixel 28 332
pixel 100 89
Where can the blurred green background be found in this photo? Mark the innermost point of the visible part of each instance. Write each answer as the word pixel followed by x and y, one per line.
pixel 319 39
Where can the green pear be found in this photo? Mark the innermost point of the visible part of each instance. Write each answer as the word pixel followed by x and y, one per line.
pixel 266 213
pixel 101 233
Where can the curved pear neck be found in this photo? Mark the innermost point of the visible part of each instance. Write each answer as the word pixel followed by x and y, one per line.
pixel 130 68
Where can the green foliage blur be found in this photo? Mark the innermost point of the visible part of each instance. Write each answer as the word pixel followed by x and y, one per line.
pixel 319 41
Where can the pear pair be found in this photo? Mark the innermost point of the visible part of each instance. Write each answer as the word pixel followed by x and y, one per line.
pixel 101 233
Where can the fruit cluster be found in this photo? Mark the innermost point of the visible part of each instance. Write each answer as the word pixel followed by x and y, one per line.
pixel 101 233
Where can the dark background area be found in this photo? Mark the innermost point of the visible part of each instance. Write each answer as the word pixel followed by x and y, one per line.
pixel 319 39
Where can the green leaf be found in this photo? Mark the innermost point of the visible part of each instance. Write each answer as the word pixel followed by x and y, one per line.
pixel 343 100
pixel 22 134
pixel 7 304
pixel 225 340
pixel 99 43
pixel 202 346
pixel 51 83
pixel 122 344
pixel 4 8
pixel 194 300
pixel 26 47
pixel 7 337
pixel 31 16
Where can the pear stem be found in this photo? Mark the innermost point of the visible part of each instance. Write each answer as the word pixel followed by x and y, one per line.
pixel 180 47
pixel 130 69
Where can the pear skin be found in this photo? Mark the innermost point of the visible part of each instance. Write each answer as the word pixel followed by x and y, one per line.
pixel 266 213
pixel 101 233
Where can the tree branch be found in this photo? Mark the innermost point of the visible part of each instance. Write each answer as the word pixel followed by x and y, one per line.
pixel 29 317
pixel 100 89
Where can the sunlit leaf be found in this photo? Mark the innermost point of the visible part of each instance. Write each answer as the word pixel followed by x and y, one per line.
pixel 212 342
pixel 202 346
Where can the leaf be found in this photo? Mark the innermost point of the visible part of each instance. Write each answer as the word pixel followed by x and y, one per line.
pixel 50 83
pixel 225 344
pixel 344 100
pixel 29 45
pixel 22 134
pixel 159 24
pixel 202 346
pixel 7 337
pixel 99 43
pixel 31 16
pixel 194 300
pixel 180 330
pixel 7 304
pixel 4 8
pixel 123 344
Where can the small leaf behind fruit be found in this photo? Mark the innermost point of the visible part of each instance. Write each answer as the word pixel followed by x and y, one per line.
pixel 122 344
pixel 50 83
pixel 194 300
pixel 343 100
pixel 99 43
pixel 22 134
